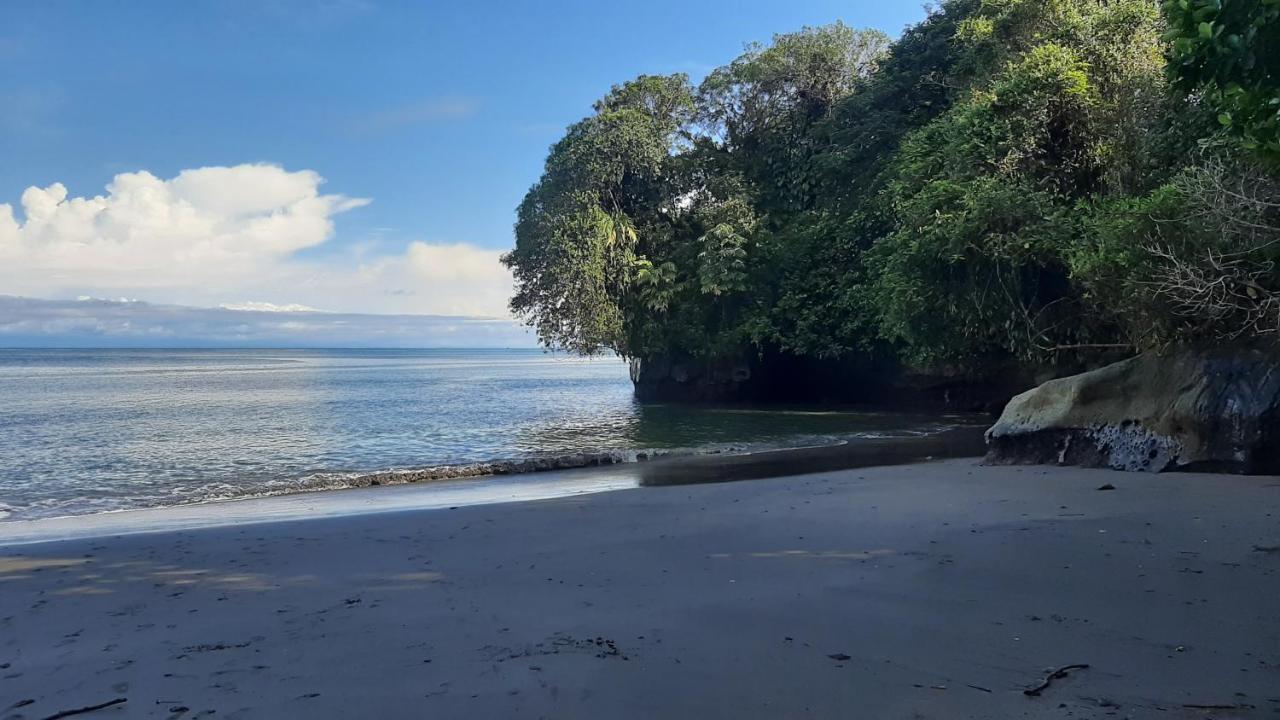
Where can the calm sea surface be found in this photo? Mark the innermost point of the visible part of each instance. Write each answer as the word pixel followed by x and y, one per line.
pixel 85 431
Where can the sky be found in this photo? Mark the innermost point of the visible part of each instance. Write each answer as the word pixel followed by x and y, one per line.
pixel 345 156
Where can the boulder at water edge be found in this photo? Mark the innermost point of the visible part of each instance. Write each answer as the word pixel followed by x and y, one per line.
pixel 1213 410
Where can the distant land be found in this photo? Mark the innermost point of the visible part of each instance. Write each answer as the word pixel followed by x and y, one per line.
pixel 102 323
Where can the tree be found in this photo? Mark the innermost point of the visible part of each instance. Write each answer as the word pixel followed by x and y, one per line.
pixel 1228 51
pixel 987 199
pixel 599 204
pixel 762 105
pixel 1011 180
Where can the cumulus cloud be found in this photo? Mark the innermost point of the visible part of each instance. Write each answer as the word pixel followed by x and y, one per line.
pixel 457 279
pixel 90 322
pixel 230 236
pixel 201 225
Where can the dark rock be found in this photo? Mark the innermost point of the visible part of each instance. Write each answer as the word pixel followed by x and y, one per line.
pixel 1212 410
pixel 690 380
pixel 868 378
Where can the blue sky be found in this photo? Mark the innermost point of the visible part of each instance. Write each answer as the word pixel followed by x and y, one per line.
pixel 427 120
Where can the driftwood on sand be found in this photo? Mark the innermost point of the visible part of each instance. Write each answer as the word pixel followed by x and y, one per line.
pixel 1055 675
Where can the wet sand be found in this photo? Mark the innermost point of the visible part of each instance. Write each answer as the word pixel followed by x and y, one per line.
pixel 936 590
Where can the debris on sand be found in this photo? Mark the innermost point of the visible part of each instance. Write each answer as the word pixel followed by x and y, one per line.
pixel 1058 674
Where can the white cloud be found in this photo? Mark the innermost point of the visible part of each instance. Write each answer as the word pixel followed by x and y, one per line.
pixel 204 224
pixel 268 307
pixel 461 276
pixel 229 236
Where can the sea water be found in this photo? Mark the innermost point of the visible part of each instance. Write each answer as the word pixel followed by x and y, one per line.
pixel 85 431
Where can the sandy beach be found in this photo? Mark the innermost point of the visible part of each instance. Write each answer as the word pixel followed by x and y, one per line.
pixel 935 590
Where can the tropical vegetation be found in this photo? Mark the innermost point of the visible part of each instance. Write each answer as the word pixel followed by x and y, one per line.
pixel 1009 181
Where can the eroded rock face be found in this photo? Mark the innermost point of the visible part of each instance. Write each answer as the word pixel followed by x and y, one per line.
pixel 687 380
pixel 1189 410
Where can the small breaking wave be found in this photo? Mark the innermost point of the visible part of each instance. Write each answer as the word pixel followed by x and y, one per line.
pixel 332 480
pixel 338 480
pixel 322 481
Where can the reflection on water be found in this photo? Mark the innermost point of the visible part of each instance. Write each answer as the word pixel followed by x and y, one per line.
pixel 687 426
pixel 86 431
pixel 963 441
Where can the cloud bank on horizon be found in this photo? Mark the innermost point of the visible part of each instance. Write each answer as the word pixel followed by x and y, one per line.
pixel 98 323
pixel 232 237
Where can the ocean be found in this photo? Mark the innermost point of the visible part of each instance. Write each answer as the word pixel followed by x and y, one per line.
pixel 89 431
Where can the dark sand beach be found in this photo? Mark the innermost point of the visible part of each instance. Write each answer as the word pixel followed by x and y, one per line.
pixel 934 590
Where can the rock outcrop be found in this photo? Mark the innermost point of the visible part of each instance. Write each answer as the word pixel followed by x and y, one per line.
pixel 662 379
pixel 1189 410
pixel 862 379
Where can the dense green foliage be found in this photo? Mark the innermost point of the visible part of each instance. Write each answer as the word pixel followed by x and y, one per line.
pixel 1229 50
pixel 1009 180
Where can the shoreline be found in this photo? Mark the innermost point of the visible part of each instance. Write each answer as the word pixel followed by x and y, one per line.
pixel 933 590
pixel 515 481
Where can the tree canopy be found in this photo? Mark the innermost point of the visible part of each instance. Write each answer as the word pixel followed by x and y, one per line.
pixel 1012 180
